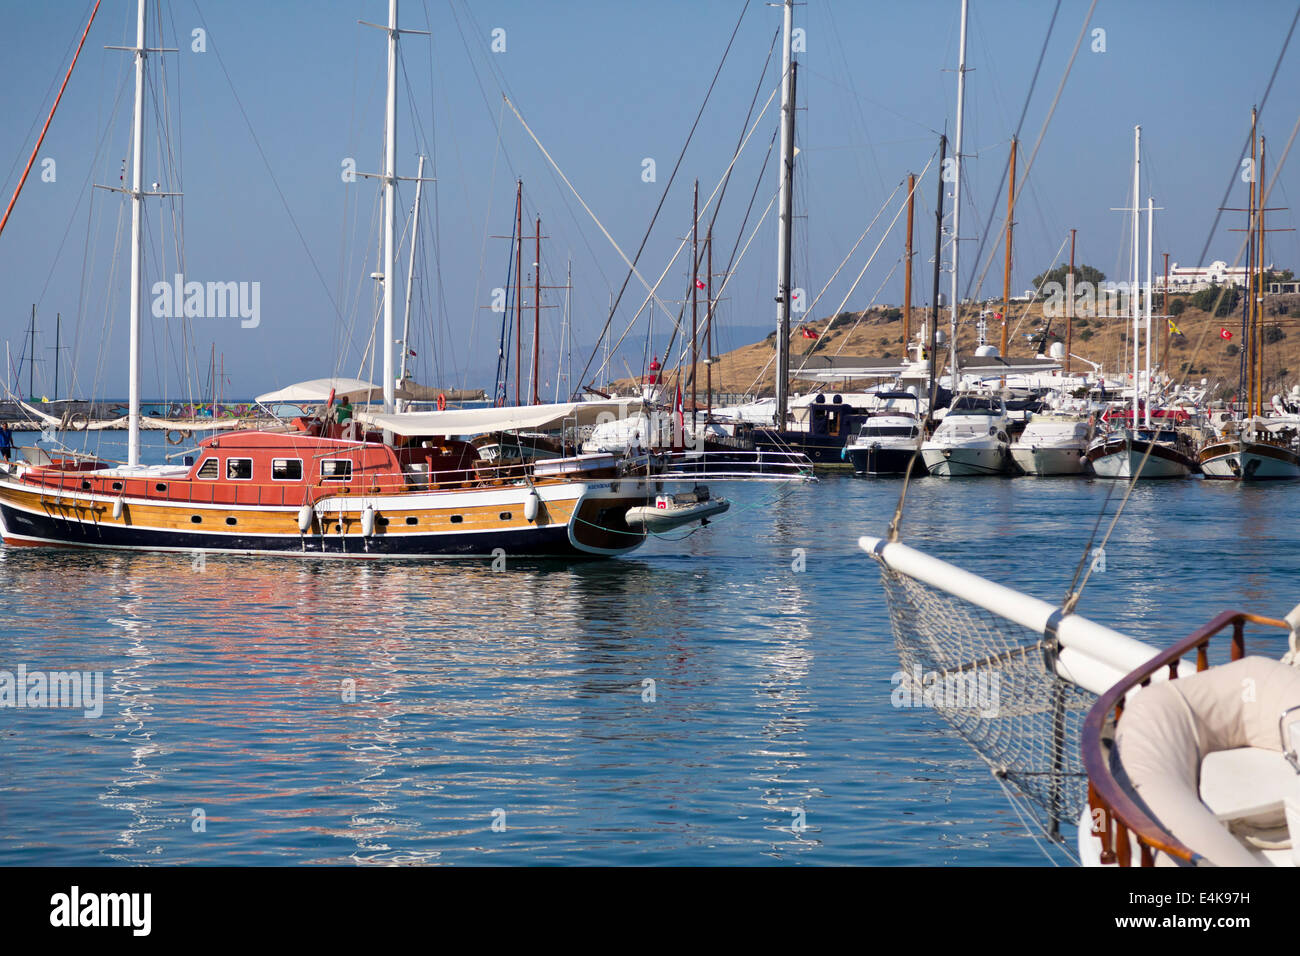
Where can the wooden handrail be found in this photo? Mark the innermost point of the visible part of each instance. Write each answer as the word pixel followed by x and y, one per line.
pixel 1104 791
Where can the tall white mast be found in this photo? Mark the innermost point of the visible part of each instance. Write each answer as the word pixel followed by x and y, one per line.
pixel 1133 271
pixel 956 203
pixel 783 242
pixel 1150 294
pixel 137 243
pixel 390 202
pixel 410 273
pixel 565 367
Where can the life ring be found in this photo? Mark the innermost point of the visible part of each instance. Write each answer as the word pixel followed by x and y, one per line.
pixel 442 402
pixel 180 436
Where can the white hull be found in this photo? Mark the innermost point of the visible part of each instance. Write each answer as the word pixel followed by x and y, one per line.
pixel 960 461
pixel 1243 465
pixel 1126 463
pixel 1049 461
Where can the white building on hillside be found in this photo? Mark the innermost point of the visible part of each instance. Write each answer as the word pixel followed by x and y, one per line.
pixel 1194 278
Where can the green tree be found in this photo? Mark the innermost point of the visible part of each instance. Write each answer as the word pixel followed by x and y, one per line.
pixel 1081 274
pixel 1207 299
pixel 1177 306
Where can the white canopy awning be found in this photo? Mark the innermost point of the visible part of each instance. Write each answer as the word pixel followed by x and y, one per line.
pixel 476 421
pixel 317 392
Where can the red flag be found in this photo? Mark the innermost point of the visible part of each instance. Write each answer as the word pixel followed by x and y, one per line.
pixel 809 333
pixel 699 283
pixel 1224 334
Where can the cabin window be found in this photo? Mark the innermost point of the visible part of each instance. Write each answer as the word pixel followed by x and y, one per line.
pixel 117 486
pixel 196 519
pixel 286 469
pixel 85 486
pixel 504 516
pixel 160 487
pixel 457 519
pixel 239 469
pixel 412 520
pixel 210 469
pixel 232 521
pixel 336 469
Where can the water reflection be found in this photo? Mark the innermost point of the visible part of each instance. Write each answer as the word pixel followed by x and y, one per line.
pixel 526 690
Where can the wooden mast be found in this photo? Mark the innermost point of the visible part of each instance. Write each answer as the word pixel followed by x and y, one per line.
pixel 907 273
pixel 49 119
pixel 1006 270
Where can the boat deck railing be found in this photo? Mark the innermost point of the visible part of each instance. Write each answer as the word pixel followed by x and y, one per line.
pixel 740 465
pixel 1116 814
pixel 53 482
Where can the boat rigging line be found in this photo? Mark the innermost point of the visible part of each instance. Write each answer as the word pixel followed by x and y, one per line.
pixel 1033 153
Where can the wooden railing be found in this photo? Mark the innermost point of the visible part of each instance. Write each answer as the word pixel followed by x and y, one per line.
pixel 183 489
pixel 1116 815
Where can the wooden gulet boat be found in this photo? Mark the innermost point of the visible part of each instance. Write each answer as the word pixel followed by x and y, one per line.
pixel 390 484
pixel 319 490
pixel 1252 451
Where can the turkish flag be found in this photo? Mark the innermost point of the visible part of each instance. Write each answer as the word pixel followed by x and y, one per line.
pixel 699 283
pixel 1224 334
pixel 808 333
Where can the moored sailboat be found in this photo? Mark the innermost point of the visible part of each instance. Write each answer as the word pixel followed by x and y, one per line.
pixel 390 483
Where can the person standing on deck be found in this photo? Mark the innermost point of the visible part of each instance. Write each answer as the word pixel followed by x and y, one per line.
pixel 6 441
pixel 343 414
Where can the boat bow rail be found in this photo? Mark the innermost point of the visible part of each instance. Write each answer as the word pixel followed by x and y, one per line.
pixel 1012 674
pixel 1120 820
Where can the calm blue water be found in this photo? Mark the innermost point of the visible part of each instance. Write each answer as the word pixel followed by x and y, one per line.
pixel 522 691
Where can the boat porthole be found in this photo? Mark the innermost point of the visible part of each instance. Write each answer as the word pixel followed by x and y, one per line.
pixel 160 486
pixel 117 486
pixel 457 519
pixel 412 520
pixel 504 516
pixel 381 521
pixel 85 486
pixel 196 519
pixel 231 521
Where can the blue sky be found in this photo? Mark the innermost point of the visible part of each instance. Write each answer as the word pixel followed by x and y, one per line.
pixel 605 86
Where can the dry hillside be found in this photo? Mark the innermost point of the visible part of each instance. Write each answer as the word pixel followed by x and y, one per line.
pixel 1199 352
